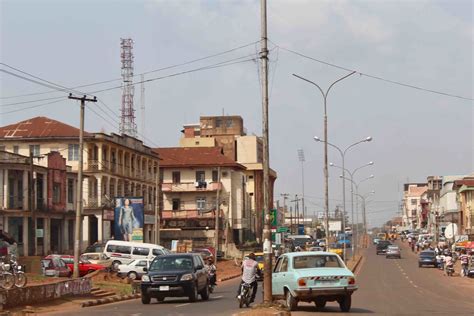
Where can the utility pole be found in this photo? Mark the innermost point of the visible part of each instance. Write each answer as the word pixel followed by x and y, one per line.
pixel 31 204
pixel 267 237
pixel 297 209
pixel 218 203
pixel 77 233
pixel 302 160
pixel 285 197
pixel 157 205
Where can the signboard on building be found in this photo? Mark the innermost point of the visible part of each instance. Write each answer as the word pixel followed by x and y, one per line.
pixel 129 219
pixel 335 226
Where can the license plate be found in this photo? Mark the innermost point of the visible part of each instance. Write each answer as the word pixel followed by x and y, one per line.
pixel 325 282
pixel 164 288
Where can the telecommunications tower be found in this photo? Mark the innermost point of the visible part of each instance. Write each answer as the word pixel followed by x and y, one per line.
pixel 127 117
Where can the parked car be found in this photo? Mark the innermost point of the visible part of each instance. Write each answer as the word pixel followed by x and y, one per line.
pixel 393 251
pixel 134 269
pixel 318 277
pixel 376 241
pixel 316 249
pixel 97 258
pixel 175 275
pixel 382 246
pixel 204 252
pixel 124 252
pixel 54 266
pixel 85 267
pixel 335 248
pixel 427 258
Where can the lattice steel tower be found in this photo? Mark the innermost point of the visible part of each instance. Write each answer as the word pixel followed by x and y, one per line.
pixel 127 117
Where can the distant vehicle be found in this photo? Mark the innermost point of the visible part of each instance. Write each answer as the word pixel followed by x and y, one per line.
pixel 259 257
pixel 393 251
pixel 97 258
pixel 316 249
pixel 376 241
pixel 204 252
pixel 175 275
pixel 54 266
pixel 335 248
pixel 382 246
pixel 382 236
pixel 124 252
pixel 300 240
pixel 134 269
pixel 85 267
pixel 318 277
pixel 427 258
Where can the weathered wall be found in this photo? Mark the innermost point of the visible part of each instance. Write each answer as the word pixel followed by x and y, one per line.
pixel 45 292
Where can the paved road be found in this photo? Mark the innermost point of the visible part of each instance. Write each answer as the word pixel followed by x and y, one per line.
pixel 387 287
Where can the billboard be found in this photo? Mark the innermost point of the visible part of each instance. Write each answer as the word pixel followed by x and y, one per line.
pixel 128 219
pixel 335 226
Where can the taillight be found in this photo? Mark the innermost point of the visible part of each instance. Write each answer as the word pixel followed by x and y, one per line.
pixel 352 280
pixel 301 282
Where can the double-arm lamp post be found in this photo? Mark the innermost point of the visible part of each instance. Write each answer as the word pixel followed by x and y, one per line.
pixel 351 174
pixel 364 216
pixel 326 174
pixel 343 152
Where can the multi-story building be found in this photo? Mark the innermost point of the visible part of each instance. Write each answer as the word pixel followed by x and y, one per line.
pixel 41 188
pixel 449 211
pixel 432 196
pixel 412 208
pixel 465 199
pixel 114 165
pixel 193 180
pixel 228 133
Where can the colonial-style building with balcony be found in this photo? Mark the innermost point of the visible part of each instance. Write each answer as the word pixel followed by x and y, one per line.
pixel 114 166
pixel 193 180
pixel 465 199
pixel 45 192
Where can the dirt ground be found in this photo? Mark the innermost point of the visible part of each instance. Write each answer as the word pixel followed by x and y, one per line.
pixel 227 268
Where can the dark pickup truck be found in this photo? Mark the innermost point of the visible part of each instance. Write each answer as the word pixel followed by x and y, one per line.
pixel 175 275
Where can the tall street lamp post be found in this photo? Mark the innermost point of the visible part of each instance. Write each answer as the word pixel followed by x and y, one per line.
pixel 364 217
pixel 343 152
pixel 351 174
pixel 326 175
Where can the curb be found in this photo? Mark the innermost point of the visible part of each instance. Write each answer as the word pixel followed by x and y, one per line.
pixel 356 264
pixel 108 300
pixel 229 277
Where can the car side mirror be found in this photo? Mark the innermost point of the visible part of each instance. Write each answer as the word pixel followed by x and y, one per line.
pixel 145 269
pixel 199 267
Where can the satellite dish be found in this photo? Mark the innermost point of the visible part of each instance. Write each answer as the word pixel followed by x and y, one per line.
pixel 451 230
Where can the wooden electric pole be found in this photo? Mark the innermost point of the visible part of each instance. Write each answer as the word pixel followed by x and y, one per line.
pixel 77 232
pixel 218 207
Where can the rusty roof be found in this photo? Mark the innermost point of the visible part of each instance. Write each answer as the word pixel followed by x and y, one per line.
pixel 39 127
pixel 182 157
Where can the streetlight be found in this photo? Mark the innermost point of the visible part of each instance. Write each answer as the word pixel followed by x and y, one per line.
pixel 302 160
pixel 326 175
pixel 357 191
pixel 364 197
pixel 370 163
pixel 343 155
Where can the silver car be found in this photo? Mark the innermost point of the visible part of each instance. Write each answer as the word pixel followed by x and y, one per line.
pixel 393 252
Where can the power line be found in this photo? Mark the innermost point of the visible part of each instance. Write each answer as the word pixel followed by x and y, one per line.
pixel 147 72
pixel 31 107
pixel 376 77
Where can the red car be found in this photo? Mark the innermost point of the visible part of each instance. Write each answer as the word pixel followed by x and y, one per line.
pixel 54 266
pixel 85 267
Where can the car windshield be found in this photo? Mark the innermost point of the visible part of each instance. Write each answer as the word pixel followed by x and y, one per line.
pixel 317 261
pixel 171 263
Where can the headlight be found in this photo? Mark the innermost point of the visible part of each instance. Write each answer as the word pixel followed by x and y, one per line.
pixel 145 278
pixel 187 277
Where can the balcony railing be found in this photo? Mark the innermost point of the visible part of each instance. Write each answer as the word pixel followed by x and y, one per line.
pixel 91 202
pixel 167 214
pixel 191 187
pixel 93 165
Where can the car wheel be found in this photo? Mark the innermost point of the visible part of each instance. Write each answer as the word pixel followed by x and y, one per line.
pixel 291 302
pixel 205 293
pixel 320 303
pixel 194 294
pixel 419 265
pixel 146 299
pixel 132 275
pixel 345 303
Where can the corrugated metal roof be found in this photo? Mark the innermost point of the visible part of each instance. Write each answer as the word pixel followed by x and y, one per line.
pixel 39 126
pixel 194 156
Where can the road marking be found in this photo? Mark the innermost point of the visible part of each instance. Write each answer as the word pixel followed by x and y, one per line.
pixel 220 296
pixel 181 305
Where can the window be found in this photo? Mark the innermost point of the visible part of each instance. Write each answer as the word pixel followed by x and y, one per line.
pixel 215 176
pixel 200 176
pixel 56 193
pixel 413 201
pixel 119 249
pixel 250 177
pixel 176 175
pixel 284 265
pixel 176 204
pixel 218 122
pixel 310 262
pixel 73 152
pixel 229 122
pixel 35 149
pixel 141 251
pixel 2 148
pixel 141 263
pixel 157 252
pixel 70 190
pixel 16 149
pixel 201 204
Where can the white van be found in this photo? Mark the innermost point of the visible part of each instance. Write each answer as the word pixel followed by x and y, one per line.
pixel 124 252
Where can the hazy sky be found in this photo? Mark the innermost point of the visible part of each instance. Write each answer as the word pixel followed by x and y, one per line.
pixel 416 134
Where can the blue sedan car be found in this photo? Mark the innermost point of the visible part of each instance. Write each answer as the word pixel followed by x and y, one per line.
pixel 317 277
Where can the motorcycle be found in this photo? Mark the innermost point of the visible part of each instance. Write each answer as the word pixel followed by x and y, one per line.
pixel 17 271
pixel 450 270
pixel 212 280
pixel 245 295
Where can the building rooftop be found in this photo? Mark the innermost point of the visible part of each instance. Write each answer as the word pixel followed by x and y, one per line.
pixel 416 191
pixel 39 127
pixel 194 157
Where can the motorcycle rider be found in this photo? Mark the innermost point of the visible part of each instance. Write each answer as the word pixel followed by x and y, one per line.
pixel 212 271
pixel 449 263
pixel 249 273
pixel 464 258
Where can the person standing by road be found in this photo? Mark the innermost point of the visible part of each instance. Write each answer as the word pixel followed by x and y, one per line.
pixel 464 258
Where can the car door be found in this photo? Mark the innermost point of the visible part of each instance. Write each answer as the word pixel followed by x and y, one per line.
pixel 201 273
pixel 140 265
pixel 278 275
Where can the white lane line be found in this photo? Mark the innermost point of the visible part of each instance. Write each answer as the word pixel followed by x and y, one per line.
pixel 220 296
pixel 181 305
